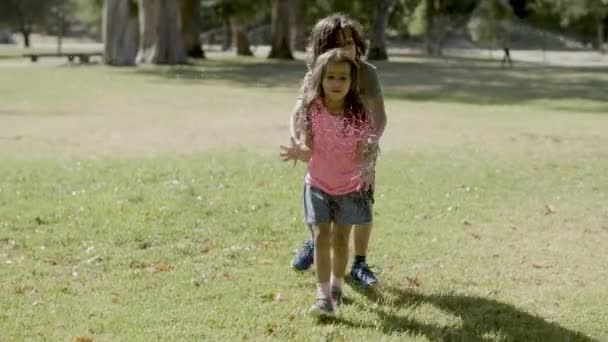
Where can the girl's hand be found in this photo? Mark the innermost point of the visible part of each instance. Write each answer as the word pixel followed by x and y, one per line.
pixel 368 150
pixel 294 152
pixel 368 175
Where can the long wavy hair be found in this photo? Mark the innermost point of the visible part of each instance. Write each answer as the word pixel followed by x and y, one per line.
pixel 327 31
pixel 355 113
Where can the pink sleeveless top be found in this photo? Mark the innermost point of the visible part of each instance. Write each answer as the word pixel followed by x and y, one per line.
pixel 335 162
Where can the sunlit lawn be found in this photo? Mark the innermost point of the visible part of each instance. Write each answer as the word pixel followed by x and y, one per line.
pixel 149 204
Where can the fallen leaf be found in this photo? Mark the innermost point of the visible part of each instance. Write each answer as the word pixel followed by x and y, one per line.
pixel 278 296
pixel 82 339
pixel 21 289
pixel 205 247
pixel 161 267
pixel 265 262
pixel 269 330
pixel 413 282
pixel 50 261
pixel 422 217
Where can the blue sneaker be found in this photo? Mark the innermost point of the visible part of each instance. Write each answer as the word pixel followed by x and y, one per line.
pixel 304 257
pixel 362 276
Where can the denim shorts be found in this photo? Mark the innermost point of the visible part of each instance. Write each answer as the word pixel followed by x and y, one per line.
pixel 321 207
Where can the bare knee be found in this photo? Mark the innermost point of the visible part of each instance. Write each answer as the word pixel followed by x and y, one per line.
pixel 341 236
pixel 322 234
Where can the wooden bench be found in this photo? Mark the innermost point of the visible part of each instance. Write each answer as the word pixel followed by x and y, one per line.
pixel 83 57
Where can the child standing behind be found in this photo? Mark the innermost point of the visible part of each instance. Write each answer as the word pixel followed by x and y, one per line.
pixel 336 127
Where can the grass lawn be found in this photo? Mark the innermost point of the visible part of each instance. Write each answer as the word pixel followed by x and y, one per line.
pixel 149 204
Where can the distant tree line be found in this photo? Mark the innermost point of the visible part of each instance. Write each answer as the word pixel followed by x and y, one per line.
pixel 169 31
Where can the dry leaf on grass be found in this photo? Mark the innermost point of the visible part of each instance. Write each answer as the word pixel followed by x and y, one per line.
pixel 162 267
pixel 413 282
pixel 540 265
pixel 205 247
pixel 265 262
pixel 82 339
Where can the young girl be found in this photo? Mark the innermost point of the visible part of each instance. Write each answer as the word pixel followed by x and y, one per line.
pixel 336 127
pixel 339 31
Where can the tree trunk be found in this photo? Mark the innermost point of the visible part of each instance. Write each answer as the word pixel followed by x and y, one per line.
pixel 280 30
pixel 430 27
pixel 118 39
pixel 191 16
pixel 239 34
pixel 26 37
pixel 227 34
pixel 148 22
pixel 600 34
pixel 24 28
pixel 377 49
pixel 161 40
pixel 298 25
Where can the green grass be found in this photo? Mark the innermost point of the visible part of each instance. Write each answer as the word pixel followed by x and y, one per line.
pixel 149 204
pixel 83 240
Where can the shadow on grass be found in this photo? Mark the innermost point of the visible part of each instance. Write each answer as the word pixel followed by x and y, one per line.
pixel 481 318
pixel 448 80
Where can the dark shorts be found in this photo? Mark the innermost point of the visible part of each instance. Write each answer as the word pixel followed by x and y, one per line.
pixel 349 209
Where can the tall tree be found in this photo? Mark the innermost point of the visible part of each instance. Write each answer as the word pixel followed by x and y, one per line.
pixel 572 11
pixel 280 47
pixel 160 37
pixel 298 25
pixel 490 23
pixel 148 35
pixel 25 15
pixel 235 15
pixel 377 49
pixel 423 25
pixel 429 26
pixel 239 36
pixel 190 27
pixel 119 34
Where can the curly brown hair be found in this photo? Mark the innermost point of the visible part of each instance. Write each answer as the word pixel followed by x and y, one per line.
pixel 327 31
pixel 355 113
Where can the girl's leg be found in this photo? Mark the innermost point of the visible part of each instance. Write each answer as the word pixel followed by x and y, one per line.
pixel 322 240
pixel 340 238
pixel 323 305
pixel 360 274
pixel 361 238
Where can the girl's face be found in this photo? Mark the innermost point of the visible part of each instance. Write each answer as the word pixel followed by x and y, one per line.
pixel 336 81
pixel 346 42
